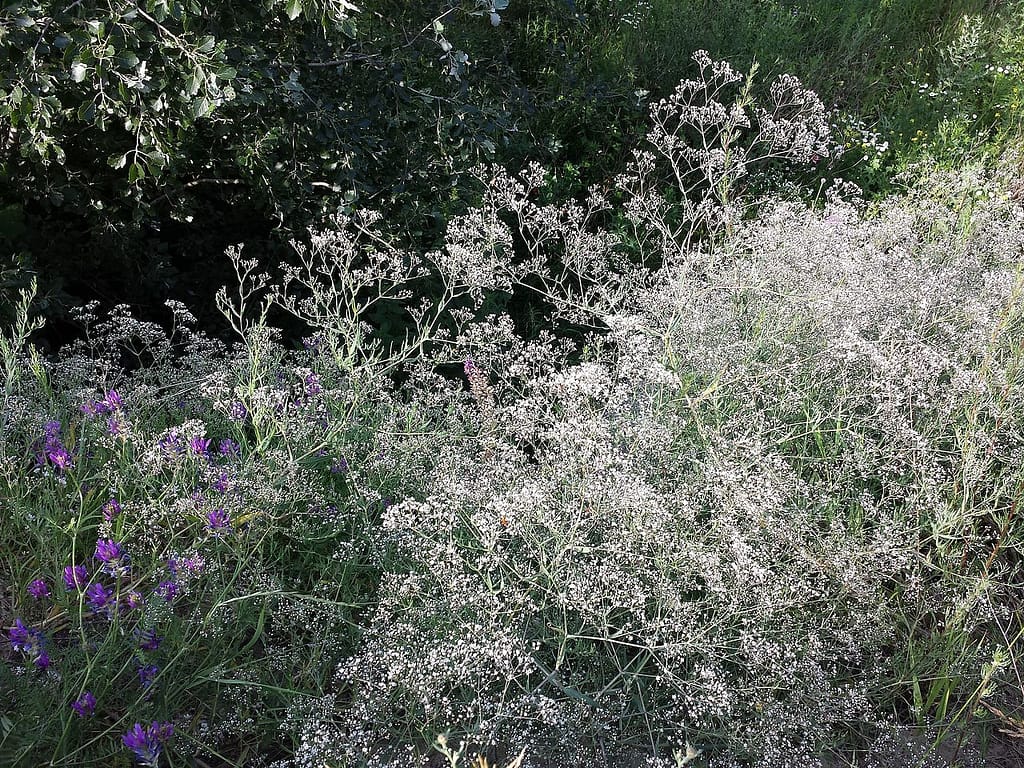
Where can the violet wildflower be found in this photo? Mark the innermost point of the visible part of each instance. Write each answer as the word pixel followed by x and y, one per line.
pixel 132 600
pixel 238 411
pixel 217 519
pixel 85 705
pixel 29 642
pixel 311 384
pixel 19 635
pixel 221 484
pixel 167 590
pixel 147 674
pixel 171 443
pixel 53 450
pixel 341 465
pixel 38 589
pixel 229 448
pixel 75 577
pixel 100 599
pixel 108 550
pixel 115 560
pixel 200 446
pixel 111 510
pixel 148 639
pixel 114 427
pixel 110 403
pixel 147 743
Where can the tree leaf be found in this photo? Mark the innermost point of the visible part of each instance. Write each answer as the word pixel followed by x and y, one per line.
pixel 136 173
pixel 293 9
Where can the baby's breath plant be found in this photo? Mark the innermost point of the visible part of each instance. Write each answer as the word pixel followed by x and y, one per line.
pixel 769 517
pixel 708 140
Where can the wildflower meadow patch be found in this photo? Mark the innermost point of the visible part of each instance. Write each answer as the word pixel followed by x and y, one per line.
pixel 765 514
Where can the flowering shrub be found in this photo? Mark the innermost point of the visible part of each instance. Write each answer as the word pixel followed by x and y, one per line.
pixel 769 517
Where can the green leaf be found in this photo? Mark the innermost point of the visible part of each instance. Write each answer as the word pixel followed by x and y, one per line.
pixel 226 73
pixel 293 9
pixel 201 107
pixel 136 173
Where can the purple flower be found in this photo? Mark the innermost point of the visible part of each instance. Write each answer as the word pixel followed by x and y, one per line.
pixel 148 640
pixel 53 450
pixel 111 510
pixel 115 560
pixel 114 427
pixel 168 590
pixel 311 384
pixel 147 742
pixel 221 484
pixel 341 465
pixel 238 411
pixel 132 600
pixel 29 642
pixel 110 403
pixel 229 447
pixel 99 597
pixel 171 443
pixel 85 705
pixel 75 577
pixel 113 401
pixel 59 457
pixel 200 446
pixel 20 635
pixel 147 674
pixel 38 589
pixel 217 519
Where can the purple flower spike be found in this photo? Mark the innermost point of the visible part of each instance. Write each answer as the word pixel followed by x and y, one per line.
pixel 312 384
pixel 148 640
pixel 238 411
pixel 19 635
pixel 108 550
pixel 85 705
pixel 75 577
pixel 229 448
pixel 111 510
pixel 53 451
pixel 147 674
pixel 29 642
pixel 132 601
pixel 38 589
pixel 147 743
pixel 99 597
pixel 217 519
pixel 200 446
pixel 115 560
pixel 168 590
